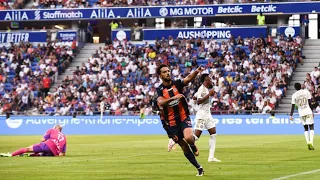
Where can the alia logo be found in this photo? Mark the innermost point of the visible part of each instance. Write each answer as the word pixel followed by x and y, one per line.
pixel 16 16
pixel 14 123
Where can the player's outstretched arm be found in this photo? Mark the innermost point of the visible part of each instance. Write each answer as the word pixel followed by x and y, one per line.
pixel 192 76
pixel 291 113
pixel 62 154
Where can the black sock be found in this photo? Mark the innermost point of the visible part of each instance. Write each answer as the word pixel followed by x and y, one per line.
pixel 193 148
pixel 189 155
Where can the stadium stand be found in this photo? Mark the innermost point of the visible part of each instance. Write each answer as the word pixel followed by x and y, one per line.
pixel 27 72
pixel 260 1
pixel 250 75
pixel 117 3
pixel 312 83
pixel 44 4
pixel 12 4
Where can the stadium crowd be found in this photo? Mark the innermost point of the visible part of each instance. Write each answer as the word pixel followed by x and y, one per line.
pixel 116 3
pixel 28 71
pixel 250 75
pixel 12 4
pixel 312 83
pixel 45 4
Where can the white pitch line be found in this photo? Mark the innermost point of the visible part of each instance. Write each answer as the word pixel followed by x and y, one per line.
pixel 299 174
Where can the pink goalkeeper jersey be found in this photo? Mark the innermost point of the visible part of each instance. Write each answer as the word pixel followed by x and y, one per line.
pixel 56 141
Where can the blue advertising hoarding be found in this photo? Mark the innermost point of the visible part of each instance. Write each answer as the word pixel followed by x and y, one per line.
pixel 294 31
pixel 34 36
pixel 226 124
pixel 23 36
pixel 205 33
pixel 156 11
pixel 67 35
pixel 121 34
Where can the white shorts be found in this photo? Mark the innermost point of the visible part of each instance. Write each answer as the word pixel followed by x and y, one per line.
pixel 204 123
pixel 307 120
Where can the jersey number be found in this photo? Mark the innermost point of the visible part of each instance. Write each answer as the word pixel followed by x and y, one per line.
pixel 302 102
pixel 60 137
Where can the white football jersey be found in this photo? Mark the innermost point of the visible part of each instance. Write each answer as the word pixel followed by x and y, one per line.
pixel 203 108
pixel 301 100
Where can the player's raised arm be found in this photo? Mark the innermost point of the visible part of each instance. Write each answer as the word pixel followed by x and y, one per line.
pixel 192 76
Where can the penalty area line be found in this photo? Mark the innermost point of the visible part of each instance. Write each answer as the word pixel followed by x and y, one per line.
pixel 299 174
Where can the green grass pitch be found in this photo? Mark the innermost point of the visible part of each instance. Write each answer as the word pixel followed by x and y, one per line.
pixel 146 157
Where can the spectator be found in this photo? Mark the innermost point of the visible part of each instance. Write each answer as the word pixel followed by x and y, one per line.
pixel 2 6
pixel 314 104
pixel 136 32
pixel 89 33
pixel 114 25
pixel 305 23
pixel 315 74
pixel 261 19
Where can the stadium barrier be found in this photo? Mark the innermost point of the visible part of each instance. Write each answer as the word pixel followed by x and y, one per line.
pixel 23 36
pixel 42 37
pixel 294 31
pixel 206 33
pixel 226 124
pixel 159 11
pixel 36 36
pixel 67 35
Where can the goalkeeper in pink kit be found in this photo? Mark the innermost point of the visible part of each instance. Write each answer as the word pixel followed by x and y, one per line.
pixel 53 143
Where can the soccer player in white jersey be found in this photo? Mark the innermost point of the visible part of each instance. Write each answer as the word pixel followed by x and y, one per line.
pixel 302 99
pixel 204 118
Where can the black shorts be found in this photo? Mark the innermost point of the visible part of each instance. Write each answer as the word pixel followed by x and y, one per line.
pixel 176 132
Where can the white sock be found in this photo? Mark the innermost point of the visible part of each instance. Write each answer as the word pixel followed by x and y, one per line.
pixel 212 145
pixel 311 136
pixel 195 137
pixel 306 134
